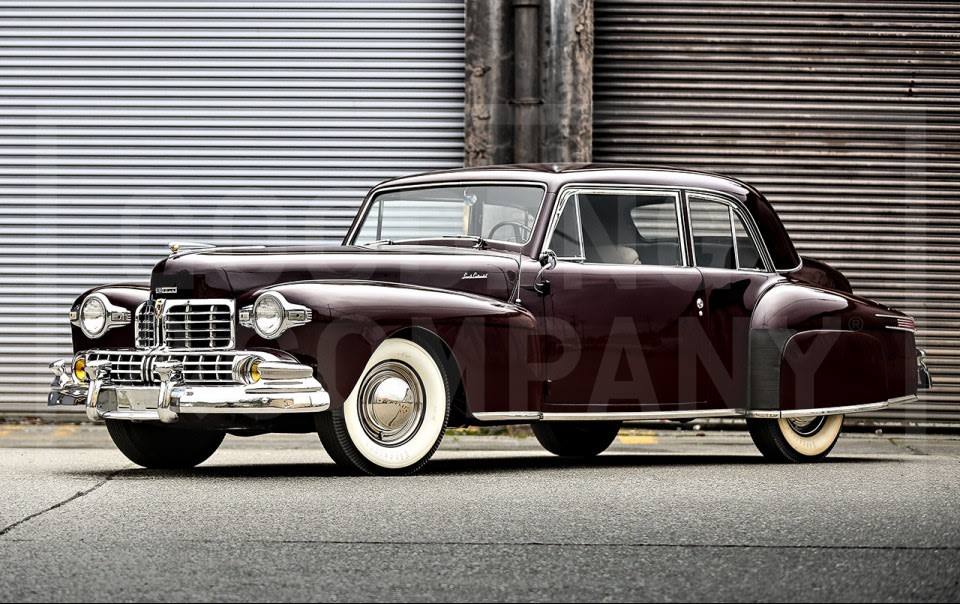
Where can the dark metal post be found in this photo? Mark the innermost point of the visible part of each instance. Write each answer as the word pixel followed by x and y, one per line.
pixel 488 135
pixel 529 81
pixel 526 81
pixel 567 114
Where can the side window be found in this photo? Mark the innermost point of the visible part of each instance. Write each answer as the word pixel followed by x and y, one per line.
pixel 630 228
pixel 712 233
pixel 567 242
pixel 748 254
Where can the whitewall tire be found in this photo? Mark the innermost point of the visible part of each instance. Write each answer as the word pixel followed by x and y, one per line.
pixel 394 419
pixel 798 439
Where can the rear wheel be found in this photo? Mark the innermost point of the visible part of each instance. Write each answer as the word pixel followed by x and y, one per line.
pixel 576 439
pixel 394 419
pixel 163 447
pixel 796 439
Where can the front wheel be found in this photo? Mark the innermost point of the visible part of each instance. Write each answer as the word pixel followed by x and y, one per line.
pixel 795 439
pixel 163 447
pixel 395 417
pixel 576 439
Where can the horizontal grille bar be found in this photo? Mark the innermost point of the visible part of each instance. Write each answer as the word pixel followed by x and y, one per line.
pixel 129 369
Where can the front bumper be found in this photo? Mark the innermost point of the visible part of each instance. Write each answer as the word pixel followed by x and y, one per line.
pixel 284 387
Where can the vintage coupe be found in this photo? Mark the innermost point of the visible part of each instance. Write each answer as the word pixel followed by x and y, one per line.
pixel 569 297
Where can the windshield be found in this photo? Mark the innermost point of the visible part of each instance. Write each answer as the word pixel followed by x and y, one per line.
pixel 503 213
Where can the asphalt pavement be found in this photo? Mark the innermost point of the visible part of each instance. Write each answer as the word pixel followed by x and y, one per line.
pixel 662 516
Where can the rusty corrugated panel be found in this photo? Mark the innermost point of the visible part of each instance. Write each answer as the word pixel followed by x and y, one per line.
pixel 845 114
pixel 127 124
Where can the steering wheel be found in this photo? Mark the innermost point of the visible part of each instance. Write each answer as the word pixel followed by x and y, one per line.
pixel 520 230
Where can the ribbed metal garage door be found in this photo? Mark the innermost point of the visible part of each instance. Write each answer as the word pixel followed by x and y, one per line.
pixel 126 124
pixel 846 114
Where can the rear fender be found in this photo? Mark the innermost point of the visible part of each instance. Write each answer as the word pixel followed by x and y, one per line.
pixel 813 348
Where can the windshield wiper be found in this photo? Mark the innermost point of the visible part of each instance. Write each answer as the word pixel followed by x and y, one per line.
pixel 379 242
pixel 481 244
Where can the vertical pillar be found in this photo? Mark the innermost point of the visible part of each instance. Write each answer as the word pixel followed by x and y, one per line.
pixel 567 116
pixel 526 100
pixel 529 81
pixel 488 132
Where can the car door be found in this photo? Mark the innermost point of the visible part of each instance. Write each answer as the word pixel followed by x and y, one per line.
pixel 620 290
pixel 735 269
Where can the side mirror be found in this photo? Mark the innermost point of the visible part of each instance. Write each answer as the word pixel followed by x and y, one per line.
pixel 548 260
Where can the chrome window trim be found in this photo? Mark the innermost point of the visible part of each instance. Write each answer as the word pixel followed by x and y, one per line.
pixel 574 189
pixel 114 316
pixel 351 238
pixel 745 217
pixel 561 206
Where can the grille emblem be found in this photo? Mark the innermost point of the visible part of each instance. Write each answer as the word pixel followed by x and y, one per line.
pixel 158 307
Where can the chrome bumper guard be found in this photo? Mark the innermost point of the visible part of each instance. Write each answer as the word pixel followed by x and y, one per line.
pixel 284 387
pixel 924 381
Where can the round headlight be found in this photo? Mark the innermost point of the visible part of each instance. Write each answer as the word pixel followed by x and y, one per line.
pixel 268 316
pixel 93 317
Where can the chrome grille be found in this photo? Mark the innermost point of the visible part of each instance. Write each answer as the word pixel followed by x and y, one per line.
pixel 186 325
pixel 125 368
pixel 146 325
pixel 200 369
pixel 198 324
pixel 130 368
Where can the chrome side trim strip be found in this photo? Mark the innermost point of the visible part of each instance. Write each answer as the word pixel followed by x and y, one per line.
pixel 845 410
pixel 506 416
pixel 554 416
pixel 641 415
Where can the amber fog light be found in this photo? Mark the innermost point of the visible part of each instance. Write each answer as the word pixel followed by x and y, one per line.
pixel 247 370
pixel 80 369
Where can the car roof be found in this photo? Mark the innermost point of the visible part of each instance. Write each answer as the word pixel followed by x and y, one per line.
pixel 558 175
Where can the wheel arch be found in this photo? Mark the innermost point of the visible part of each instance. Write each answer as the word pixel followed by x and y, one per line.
pixel 446 358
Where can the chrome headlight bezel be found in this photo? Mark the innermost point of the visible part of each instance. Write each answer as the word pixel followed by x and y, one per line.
pixel 291 315
pixel 113 316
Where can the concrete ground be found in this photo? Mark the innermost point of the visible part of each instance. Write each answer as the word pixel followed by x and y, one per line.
pixel 661 516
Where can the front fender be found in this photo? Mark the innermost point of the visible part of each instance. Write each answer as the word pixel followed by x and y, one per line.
pixel 126 295
pixel 492 342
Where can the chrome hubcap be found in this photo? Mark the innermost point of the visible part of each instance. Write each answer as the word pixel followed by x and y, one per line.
pixel 807 426
pixel 391 404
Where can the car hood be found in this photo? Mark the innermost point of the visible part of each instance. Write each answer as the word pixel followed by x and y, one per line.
pixel 235 272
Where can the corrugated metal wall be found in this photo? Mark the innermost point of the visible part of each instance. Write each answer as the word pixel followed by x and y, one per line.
pixel 126 124
pixel 847 116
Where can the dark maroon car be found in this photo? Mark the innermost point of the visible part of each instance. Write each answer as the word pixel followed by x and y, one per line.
pixel 572 298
